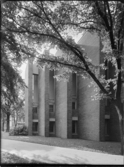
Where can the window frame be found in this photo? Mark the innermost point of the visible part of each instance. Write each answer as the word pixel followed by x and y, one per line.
pixel 75 84
pixel 74 102
pixel 49 108
pixel 33 117
pixel 75 127
pixel 52 132
pixel 107 127
pixel 33 123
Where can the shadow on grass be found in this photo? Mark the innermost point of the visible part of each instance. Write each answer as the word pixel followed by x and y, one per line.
pixel 8 158
pixel 61 160
pixel 77 160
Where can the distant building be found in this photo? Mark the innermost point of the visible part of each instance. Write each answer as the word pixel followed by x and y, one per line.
pixel 65 109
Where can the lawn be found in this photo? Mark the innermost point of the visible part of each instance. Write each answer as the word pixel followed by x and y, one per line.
pixel 106 147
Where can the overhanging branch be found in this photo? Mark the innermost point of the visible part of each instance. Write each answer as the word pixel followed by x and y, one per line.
pixel 61 63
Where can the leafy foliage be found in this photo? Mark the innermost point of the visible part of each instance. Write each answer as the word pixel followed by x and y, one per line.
pixel 20 130
pixel 12 83
pixel 34 23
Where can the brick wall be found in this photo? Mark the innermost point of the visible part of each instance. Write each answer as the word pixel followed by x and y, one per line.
pixel 61 109
pixel 103 102
pixel 46 102
pixel 43 105
pixel 69 108
pixel 26 96
pixel 102 119
pixel 41 102
pixel 28 103
pixel 88 110
pixel 114 134
pixel 114 125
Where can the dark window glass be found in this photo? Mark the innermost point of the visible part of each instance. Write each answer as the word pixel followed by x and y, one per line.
pixel 107 125
pixel 51 108
pixel 35 88
pixel 52 127
pixel 107 70
pixel 35 114
pixel 51 84
pixel 35 127
pixel 73 106
pixel 73 84
pixel 74 127
pixel 35 110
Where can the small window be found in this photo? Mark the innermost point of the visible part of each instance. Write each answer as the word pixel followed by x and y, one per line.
pixel 51 84
pixel 74 127
pixel 107 125
pixel 107 70
pixel 35 127
pixel 73 105
pixel 51 108
pixel 35 110
pixel 35 114
pixel 74 85
pixel 52 127
pixel 35 88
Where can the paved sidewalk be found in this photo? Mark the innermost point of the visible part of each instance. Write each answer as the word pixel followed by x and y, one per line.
pixel 53 154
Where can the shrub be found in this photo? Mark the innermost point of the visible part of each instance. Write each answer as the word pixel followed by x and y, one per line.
pixel 19 130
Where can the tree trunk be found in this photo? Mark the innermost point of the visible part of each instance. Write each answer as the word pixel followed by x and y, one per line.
pixel 121 123
pixel 8 122
pixel 15 123
pixel 15 120
pixel 3 125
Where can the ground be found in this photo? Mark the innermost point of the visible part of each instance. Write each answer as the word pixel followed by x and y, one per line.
pixel 56 150
pixel 11 158
pixel 106 147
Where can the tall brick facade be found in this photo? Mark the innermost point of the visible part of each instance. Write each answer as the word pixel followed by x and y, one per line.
pixel 66 109
pixel 89 110
pixel 61 109
pixel 28 96
pixel 43 113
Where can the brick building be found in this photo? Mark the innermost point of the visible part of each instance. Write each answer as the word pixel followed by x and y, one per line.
pixel 65 109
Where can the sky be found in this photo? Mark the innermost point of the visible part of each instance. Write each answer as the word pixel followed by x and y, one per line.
pixel 23 66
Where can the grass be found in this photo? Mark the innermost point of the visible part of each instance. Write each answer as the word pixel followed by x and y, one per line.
pixel 106 147
pixel 7 158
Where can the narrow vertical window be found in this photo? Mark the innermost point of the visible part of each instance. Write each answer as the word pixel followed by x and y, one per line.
pixel 74 127
pixel 34 113
pixel 107 126
pixel 52 126
pixel 73 105
pixel 35 88
pixel 51 108
pixel 35 127
pixel 51 84
pixel 107 70
pixel 74 84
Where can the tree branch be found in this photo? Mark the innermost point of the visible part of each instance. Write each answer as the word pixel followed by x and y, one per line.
pixel 62 63
pixel 34 33
pixel 35 14
pixel 110 16
pixel 52 25
pixel 107 26
pixel 103 17
pixel 79 26
pixel 74 50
